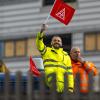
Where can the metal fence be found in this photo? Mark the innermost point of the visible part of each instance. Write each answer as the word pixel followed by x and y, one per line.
pixel 29 87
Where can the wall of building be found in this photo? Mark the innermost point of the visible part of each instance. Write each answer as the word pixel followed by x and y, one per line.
pixel 24 19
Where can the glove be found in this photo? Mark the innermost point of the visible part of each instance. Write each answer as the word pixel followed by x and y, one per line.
pixel 43 28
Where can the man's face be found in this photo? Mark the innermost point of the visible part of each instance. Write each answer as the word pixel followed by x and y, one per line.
pixel 56 42
pixel 75 53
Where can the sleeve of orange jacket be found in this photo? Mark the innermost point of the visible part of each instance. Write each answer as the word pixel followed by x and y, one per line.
pixel 89 66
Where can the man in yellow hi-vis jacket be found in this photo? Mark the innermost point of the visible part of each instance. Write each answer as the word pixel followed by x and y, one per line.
pixel 56 61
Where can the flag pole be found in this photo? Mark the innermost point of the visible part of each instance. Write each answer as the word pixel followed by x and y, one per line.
pixel 49 13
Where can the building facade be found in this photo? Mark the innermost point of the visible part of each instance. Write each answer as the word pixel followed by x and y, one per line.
pixel 20 20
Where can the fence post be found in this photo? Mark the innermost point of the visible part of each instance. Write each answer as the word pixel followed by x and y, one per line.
pixel 65 94
pixel 91 81
pixel 30 80
pixel 77 86
pixel 42 88
pixel 6 86
pixel 53 92
pixel 18 86
pixel 99 87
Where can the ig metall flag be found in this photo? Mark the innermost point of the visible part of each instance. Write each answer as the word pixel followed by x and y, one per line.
pixel 62 11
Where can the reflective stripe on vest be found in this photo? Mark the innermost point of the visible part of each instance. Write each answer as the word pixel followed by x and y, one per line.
pixel 83 79
pixel 61 82
pixel 49 60
pixel 52 65
pixel 84 88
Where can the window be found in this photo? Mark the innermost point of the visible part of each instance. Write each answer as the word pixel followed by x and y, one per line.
pixel 9 49
pixel 20 48
pixel 50 2
pixel 31 48
pixel 92 41
pixel 15 48
pixel 98 41
pixel 69 1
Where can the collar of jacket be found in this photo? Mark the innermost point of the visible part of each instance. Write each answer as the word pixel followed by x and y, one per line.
pixel 74 61
pixel 56 50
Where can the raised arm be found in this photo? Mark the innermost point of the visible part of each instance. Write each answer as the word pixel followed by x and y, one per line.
pixel 39 39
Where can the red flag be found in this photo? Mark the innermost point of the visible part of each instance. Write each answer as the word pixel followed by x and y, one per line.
pixel 33 68
pixel 62 11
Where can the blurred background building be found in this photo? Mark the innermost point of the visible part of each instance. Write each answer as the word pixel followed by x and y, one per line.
pixel 20 20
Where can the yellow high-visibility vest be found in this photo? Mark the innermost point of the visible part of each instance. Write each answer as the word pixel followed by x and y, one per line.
pixel 55 58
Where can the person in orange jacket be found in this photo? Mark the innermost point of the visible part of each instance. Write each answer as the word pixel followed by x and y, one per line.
pixel 79 65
